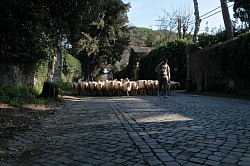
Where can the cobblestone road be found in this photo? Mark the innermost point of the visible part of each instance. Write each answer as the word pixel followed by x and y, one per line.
pixel 183 130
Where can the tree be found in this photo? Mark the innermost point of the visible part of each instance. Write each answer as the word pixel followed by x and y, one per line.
pixel 57 23
pixel 30 26
pixel 71 68
pixel 197 21
pixel 22 41
pixel 169 23
pixel 103 35
pixel 145 37
pixel 176 54
pixel 177 20
pixel 59 17
pixel 95 28
pixel 227 20
pixel 242 10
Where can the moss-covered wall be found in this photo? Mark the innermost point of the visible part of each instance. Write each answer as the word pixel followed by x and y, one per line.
pixel 12 75
pixel 223 67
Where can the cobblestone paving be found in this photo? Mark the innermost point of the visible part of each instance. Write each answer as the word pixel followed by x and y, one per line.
pixel 181 130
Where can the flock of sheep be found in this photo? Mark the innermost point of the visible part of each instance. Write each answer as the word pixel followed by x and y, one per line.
pixel 116 87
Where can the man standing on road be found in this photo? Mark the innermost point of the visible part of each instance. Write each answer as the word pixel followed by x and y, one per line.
pixel 163 71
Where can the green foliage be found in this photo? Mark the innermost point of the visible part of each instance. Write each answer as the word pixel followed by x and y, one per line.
pixel 234 56
pixel 65 86
pixel 47 101
pixel 29 27
pixel 242 11
pixel 22 40
pixel 176 54
pixel 207 40
pixel 222 63
pixel 38 88
pixel 15 97
pixel 117 66
pixel 42 101
pixel 150 38
pixel 102 36
pixel 19 96
pixel 42 72
pixel 71 67
pixel 43 68
pixel 149 63
pixel 126 72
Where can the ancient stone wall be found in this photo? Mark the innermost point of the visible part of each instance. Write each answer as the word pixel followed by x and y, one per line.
pixel 207 73
pixel 12 75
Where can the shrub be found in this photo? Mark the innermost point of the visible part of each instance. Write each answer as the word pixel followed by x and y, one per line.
pixel 176 54
pixel 65 86
pixel 15 96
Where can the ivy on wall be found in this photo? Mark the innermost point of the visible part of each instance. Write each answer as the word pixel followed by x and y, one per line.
pixel 224 66
pixel 234 56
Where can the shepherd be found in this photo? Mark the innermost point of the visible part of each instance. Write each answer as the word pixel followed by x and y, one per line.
pixel 163 71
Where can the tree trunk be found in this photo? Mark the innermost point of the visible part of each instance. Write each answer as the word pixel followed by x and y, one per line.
pixel 57 75
pixel 227 20
pixel 87 71
pixel 184 30
pixel 197 21
pixel 179 27
pixel 248 16
pixel 50 90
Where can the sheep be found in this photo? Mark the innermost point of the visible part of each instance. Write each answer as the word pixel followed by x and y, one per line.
pixel 142 86
pixel 126 86
pixel 112 87
pixel 149 87
pixel 76 88
pixel 100 87
pixel 84 87
pixel 118 87
pixel 109 86
pixel 134 87
pixel 156 87
pixel 125 80
pixel 173 86
pixel 92 87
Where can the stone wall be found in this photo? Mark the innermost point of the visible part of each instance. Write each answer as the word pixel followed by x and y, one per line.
pixel 12 75
pixel 205 70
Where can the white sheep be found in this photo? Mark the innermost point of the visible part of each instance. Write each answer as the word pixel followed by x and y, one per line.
pixel 118 87
pixel 134 87
pixel 84 87
pixel 173 86
pixel 109 87
pixel 92 87
pixel 142 86
pixel 100 87
pixel 126 86
pixel 149 87
pixel 156 87
pixel 76 88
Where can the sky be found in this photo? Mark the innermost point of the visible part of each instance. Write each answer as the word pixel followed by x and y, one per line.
pixel 144 13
